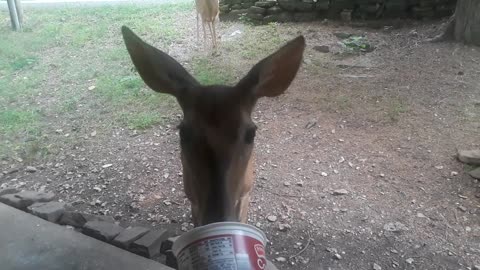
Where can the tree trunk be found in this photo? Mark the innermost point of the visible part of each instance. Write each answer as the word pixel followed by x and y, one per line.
pixel 467 21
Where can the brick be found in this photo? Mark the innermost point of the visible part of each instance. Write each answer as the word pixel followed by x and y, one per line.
pixel 24 199
pixel 71 218
pixel 171 261
pixel 128 236
pixel 149 244
pixel 101 230
pixel 78 220
pixel 167 244
pixel 13 201
pixel 50 211
pixel 5 191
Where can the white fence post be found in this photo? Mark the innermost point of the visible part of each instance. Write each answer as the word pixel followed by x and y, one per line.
pixel 14 15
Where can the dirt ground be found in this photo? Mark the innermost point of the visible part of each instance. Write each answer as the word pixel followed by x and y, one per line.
pixel 385 126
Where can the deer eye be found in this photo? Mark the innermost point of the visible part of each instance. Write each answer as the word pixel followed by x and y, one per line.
pixel 250 134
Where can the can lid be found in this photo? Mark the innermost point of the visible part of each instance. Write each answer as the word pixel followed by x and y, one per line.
pixel 219 228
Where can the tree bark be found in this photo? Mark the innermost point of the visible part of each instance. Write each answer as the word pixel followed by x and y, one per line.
pixel 467 21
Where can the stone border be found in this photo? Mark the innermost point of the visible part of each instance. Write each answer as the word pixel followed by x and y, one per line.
pixel 266 11
pixel 142 241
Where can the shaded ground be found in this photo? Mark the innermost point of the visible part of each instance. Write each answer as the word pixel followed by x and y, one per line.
pixel 384 125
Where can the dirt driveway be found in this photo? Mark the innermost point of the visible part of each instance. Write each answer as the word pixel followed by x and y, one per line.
pixel 356 161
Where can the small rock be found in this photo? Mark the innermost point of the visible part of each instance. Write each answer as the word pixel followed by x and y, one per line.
pixel 300 184
pixel 324 174
pixel 339 192
pixel 149 245
pixel 272 218
pixel 322 48
pixel 476 267
pixel 107 166
pixel 420 215
pixel 92 87
pixel 101 230
pixel 376 267
pixel 409 260
pixel 50 211
pixel 284 227
pixel 468 229
pixel 337 256
pixel 280 259
pixel 475 173
pixel 342 35
pixel 287 184
pixel 96 188
pixel 30 169
pixel 94 133
pixel 439 167
pixel 462 208
pixel 453 173
pixel 471 157
pixel 395 227
pixel 331 250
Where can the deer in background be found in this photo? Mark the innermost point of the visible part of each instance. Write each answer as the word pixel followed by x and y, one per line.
pixel 208 11
pixel 217 132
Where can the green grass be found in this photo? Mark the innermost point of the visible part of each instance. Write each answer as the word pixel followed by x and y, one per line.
pixel 207 72
pixel 15 120
pixel 141 120
pixel 46 70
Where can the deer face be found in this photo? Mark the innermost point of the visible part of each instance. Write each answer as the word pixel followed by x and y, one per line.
pixel 217 132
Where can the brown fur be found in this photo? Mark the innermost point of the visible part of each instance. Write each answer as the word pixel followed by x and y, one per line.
pixel 217 132
pixel 208 11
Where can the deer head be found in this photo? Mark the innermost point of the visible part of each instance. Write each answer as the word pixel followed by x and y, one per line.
pixel 217 133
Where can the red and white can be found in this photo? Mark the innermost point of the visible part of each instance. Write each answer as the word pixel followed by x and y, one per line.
pixel 221 246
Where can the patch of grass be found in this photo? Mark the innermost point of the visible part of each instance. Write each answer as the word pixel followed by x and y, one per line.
pixel 257 42
pixel 141 120
pixel 395 109
pixel 207 72
pixel 12 120
pixel 22 62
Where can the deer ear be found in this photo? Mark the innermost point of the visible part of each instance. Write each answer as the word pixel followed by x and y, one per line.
pixel 274 74
pixel 157 69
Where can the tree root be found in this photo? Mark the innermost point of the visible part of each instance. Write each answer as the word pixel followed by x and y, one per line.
pixel 447 33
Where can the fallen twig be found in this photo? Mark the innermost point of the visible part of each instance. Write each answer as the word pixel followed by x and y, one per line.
pixel 303 249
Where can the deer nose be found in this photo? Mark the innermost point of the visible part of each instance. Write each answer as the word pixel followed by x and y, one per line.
pixel 218 216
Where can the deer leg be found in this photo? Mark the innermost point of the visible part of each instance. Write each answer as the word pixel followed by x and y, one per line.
pixel 244 203
pixel 198 30
pixel 211 32
pixel 204 34
pixel 214 37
